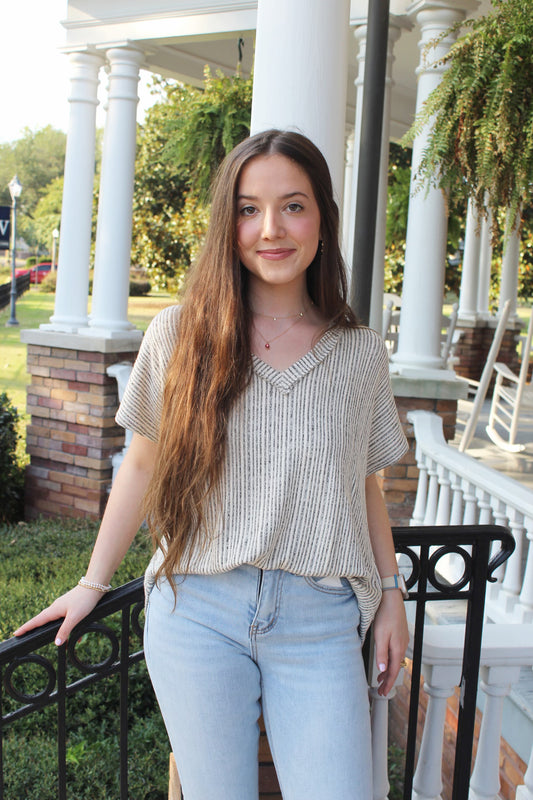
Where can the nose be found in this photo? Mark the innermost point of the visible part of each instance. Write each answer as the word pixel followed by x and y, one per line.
pixel 272 225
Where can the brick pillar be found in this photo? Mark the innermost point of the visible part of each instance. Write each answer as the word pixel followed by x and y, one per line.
pixel 475 342
pixel 72 433
pixel 399 482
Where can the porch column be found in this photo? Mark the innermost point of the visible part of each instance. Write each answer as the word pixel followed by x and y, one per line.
pixel 485 264
pixel 113 238
pixel 347 196
pixel 425 258
pixel 359 33
pixel 468 295
pixel 510 261
pixel 70 311
pixel 304 87
pixel 396 25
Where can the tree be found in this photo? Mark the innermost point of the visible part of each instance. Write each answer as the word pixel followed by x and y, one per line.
pixel 37 159
pixel 185 137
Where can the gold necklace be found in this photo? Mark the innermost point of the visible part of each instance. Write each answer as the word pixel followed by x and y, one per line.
pixel 268 342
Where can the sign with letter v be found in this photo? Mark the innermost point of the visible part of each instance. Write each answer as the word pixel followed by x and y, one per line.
pixel 5 227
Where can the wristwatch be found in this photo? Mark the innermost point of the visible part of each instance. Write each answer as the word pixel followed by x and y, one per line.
pixel 395 582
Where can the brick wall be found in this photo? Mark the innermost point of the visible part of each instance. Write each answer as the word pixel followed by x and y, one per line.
pixel 72 433
pixel 474 345
pixel 512 767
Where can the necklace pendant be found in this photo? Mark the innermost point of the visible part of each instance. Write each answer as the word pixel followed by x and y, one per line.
pixel 267 345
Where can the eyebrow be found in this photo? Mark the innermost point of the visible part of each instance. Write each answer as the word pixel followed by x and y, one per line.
pixel 282 197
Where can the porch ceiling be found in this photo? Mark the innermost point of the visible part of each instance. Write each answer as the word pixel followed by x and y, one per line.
pixel 179 37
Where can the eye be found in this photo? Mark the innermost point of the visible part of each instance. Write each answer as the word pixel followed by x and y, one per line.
pixel 294 207
pixel 247 211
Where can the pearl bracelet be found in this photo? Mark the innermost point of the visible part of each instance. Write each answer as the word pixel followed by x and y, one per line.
pixel 100 587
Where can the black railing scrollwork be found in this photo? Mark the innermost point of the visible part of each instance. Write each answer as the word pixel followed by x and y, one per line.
pixel 99 647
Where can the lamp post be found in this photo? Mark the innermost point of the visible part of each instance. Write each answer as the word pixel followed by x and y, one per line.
pixel 55 237
pixel 15 189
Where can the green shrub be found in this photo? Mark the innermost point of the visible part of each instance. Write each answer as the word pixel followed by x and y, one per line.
pixel 139 288
pixel 39 561
pixel 31 261
pixel 48 284
pixel 12 482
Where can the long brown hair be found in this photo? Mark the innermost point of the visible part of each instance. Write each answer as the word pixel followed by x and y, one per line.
pixel 211 364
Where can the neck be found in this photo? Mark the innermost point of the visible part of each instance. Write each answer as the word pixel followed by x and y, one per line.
pixel 280 301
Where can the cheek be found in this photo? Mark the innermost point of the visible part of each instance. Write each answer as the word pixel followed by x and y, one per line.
pixel 245 234
pixel 309 231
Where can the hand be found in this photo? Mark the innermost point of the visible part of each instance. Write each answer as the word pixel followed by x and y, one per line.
pixel 73 606
pixel 391 637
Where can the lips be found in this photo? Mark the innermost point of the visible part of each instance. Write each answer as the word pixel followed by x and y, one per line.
pixel 277 254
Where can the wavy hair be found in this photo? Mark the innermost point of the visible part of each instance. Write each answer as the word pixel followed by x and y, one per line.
pixel 211 364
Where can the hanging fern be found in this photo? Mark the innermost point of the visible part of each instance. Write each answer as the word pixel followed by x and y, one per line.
pixel 481 113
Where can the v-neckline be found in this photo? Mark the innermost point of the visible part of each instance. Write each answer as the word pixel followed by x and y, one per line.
pixel 285 379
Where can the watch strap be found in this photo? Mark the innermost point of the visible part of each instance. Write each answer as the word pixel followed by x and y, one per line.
pixel 395 582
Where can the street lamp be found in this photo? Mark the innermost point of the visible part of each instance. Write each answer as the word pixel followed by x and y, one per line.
pixel 15 189
pixel 55 237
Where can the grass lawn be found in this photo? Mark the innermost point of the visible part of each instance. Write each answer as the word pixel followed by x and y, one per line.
pixel 34 308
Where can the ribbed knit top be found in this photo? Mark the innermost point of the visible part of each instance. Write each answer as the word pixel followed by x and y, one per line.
pixel 300 443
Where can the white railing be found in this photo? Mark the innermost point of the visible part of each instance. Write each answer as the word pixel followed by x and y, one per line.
pixel 455 489
pixel 504 652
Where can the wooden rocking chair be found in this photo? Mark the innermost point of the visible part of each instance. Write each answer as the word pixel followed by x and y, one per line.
pixel 511 394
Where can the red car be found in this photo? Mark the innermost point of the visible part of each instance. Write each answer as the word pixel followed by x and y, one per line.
pixel 37 273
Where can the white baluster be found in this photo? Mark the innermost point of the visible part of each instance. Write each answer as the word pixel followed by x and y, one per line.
pixel 439 685
pixel 470 512
pixel 525 792
pixel 421 492
pixel 496 683
pixel 512 582
pixel 456 514
pixel 444 506
pixel 433 494
pixel 483 502
pixel 526 595
pixel 379 717
pixel 499 512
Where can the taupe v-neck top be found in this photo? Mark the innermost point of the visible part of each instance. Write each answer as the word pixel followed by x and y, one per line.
pixel 300 443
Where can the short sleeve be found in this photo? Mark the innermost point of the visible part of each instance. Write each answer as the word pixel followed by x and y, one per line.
pixel 387 442
pixel 141 406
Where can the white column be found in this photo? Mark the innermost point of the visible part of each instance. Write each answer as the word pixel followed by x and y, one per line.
pixel 485 264
pixel 359 33
pixel 347 195
pixel 72 290
pixel 468 294
pixel 396 24
pixel 423 285
pixel 300 73
pixel 109 315
pixel 510 261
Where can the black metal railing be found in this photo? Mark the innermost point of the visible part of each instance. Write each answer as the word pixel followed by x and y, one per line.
pixel 421 550
pixel 23 284
pixel 15 654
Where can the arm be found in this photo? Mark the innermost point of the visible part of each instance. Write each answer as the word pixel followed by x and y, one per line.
pixel 390 624
pixel 120 523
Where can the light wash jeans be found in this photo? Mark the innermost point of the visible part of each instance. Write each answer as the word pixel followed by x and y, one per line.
pixel 249 638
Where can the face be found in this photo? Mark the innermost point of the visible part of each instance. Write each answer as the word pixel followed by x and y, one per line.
pixel 278 220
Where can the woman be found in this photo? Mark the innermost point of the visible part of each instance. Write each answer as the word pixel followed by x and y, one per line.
pixel 261 412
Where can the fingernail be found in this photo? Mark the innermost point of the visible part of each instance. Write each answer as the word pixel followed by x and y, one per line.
pixel 58 642
pixel 382 667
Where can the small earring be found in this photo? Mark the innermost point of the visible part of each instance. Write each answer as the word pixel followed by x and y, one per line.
pixel 321 247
